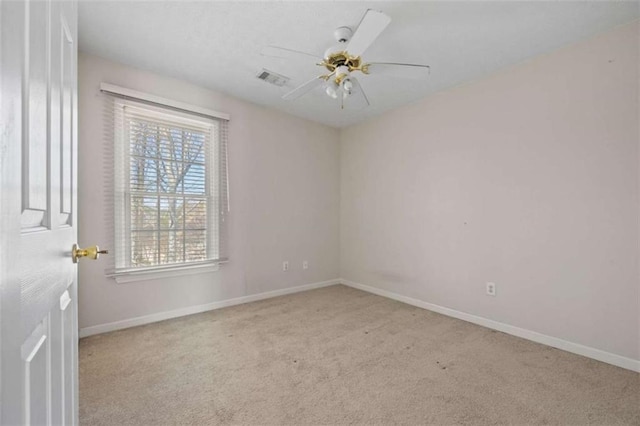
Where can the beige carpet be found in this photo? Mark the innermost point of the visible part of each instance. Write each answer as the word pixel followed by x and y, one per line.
pixel 341 356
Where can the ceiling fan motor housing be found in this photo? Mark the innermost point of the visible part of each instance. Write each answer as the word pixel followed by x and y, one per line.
pixel 342 34
pixel 337 55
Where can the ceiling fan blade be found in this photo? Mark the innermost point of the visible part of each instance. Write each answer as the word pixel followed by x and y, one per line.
pixel 301 90
pixel 285 53
pixel 412 71
pixel 357 99
pixel 372 24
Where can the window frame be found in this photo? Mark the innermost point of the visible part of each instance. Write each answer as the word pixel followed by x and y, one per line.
pixel 122 200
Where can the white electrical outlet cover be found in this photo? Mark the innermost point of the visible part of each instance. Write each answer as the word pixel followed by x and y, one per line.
pixel 491 289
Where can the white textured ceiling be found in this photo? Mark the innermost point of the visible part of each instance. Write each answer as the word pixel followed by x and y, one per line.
pixel 217 44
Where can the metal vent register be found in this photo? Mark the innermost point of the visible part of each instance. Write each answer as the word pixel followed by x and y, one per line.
pixel 273 77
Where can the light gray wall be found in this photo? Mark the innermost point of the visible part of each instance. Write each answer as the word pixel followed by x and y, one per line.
pixel 284 179
pixel 527 178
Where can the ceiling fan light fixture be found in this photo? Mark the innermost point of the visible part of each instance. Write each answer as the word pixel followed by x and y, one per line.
pixel 347 86
pixel 332 89
pixel 342 72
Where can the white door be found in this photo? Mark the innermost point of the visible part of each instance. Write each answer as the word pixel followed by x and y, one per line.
pixel 38 138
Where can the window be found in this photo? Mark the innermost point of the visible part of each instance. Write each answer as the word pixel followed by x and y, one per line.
pixel 170 189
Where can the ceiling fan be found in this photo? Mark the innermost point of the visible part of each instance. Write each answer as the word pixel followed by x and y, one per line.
pixel 344 59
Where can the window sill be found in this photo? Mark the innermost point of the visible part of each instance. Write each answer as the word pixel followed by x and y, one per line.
pixel 178 271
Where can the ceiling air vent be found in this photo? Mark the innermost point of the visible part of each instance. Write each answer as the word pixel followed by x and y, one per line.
pixel 273 77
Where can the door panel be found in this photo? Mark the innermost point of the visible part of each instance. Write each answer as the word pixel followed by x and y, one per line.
pixel 35 91
pixel 69 357
pixel 57 379
pixel 35 352
pixel 67 65
pixel 38 303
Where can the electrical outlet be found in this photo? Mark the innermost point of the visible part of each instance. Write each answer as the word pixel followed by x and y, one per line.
pixel 305 264
pixel 285 265
pixel 491 289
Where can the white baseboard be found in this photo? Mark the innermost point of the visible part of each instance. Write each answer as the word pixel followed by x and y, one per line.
pixel 161 316
pixel 589 352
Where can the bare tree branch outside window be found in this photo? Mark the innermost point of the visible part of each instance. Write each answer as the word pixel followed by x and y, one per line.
pixel 168 202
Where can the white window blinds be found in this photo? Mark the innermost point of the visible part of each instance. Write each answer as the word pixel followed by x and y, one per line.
pixel 170 188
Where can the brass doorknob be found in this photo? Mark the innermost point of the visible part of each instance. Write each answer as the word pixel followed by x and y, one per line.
pixel 92 252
